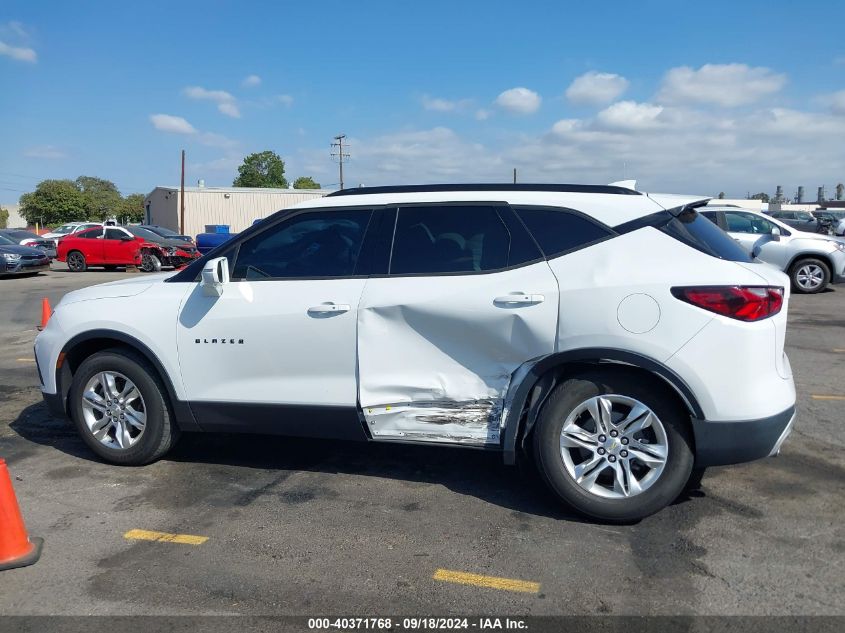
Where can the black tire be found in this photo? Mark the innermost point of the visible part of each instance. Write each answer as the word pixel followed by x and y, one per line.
pixel 802 264
pixel 150 263
pixel 675 420
pixel 160 433
pixel 76 262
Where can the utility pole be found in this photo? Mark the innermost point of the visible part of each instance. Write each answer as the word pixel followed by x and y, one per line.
pixel 514 175
pixel 182 198
pixel 340 155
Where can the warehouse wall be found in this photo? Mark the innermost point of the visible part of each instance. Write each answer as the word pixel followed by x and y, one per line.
pixel 208 205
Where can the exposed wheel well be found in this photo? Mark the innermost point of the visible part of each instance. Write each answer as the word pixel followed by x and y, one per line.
pixel 77 350
pixel 553 375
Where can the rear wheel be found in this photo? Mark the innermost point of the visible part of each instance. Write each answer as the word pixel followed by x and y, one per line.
pixel 809 275
pixel 117 402
pixel 76 262
pixel 614 447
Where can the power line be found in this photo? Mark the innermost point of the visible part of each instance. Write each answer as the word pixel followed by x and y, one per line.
pixel 340 154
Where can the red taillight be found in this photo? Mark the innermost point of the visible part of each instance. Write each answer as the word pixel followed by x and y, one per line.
pixel 746 303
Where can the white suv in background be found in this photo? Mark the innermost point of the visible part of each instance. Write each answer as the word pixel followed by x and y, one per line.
pixel 68 229
pixel 618 339
pixel 811 260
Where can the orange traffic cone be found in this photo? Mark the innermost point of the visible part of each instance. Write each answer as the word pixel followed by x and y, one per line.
pixel 46 311
pixel 16 548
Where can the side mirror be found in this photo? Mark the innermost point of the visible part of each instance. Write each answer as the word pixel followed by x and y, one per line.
pixel 215 274
pixel 776 234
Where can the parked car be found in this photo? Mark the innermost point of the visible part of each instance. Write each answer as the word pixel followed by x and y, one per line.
pixel 108 247
pixel 620 339
pixel 801 220
pixel 68 229
pixel 33 240
pixel 836 219
pixel 20 260
pixel 168 233
pixel 160 251
pixel 811 260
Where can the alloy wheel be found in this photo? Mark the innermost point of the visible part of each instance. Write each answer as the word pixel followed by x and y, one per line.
pixel 809 276
pixel 113 409
pixel 614 446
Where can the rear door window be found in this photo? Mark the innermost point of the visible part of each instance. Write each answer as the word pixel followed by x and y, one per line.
pixel 449 239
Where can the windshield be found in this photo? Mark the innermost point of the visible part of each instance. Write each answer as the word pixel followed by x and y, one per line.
pixel 693 229
pixel 163 231
pixel 64 229
pixel 5 241
pixel 146 234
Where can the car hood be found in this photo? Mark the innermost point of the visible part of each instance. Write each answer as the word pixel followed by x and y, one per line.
pixel 53 236
pixel 20 250
pixel 114 289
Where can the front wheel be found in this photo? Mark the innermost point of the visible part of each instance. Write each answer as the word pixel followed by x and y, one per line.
pixel 117 402
pixel 76 262
pixel 150 263
pixel 614 447
pixel 809 276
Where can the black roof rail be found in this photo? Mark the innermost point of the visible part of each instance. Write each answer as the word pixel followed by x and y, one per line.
pixel 610 189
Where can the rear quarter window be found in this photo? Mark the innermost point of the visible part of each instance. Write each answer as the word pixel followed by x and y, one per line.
pixel 560 231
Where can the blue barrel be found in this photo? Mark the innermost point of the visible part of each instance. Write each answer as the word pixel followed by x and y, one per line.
pixel 210 241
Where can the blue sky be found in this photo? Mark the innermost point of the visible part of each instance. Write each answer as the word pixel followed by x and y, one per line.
pixel 731 96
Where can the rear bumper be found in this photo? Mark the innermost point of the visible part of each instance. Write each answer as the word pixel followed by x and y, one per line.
pixel 722 443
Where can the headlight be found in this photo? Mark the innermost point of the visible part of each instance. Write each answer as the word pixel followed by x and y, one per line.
pixel 840 246
pixel 12 257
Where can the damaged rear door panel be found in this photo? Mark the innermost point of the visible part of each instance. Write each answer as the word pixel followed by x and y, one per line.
pixel 440 336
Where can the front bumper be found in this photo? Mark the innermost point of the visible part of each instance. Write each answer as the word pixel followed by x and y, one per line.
pixel 22 267
pixel 722 443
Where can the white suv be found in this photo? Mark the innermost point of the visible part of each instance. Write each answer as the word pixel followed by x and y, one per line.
pixel 619 339
pixel 811 260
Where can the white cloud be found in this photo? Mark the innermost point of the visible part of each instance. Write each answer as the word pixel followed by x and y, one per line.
pixel 482 114
pixel 229 109
pixel 285 100
pixel 170 123
pixel 836 102
pixel 630 115
pixel 251 81
pixel 595 88
pixel 226 102
pixel 437 104
pixel 519 101
pixel 48 152
pixel 19 53
pixel 725 85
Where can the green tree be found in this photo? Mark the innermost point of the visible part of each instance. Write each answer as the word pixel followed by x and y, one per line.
pixel 4 218
pixel 102 199
pixel 305 182
pixel 721 195
pixel 131 208
pixel 263 169
pixel 53 202
pixel 763 197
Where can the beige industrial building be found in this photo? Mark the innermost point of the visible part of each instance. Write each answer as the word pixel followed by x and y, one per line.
pixel 237 207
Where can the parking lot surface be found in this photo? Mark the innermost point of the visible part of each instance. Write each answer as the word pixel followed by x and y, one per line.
pixel 258 525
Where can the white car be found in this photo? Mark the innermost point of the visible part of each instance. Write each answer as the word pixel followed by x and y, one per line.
pixel 811 260
pixel 68 229
pixel 619 339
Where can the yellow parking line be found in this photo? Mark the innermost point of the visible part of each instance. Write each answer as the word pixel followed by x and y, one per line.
pixel 817 397
pixel 25 360
pixel 836 349
pixel 164 537
pixel 493 582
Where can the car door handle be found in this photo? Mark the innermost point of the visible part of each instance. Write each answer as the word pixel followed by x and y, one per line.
pixel 329 308
pixel 519 299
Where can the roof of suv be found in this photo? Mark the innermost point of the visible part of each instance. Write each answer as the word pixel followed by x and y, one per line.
pixel 610 204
